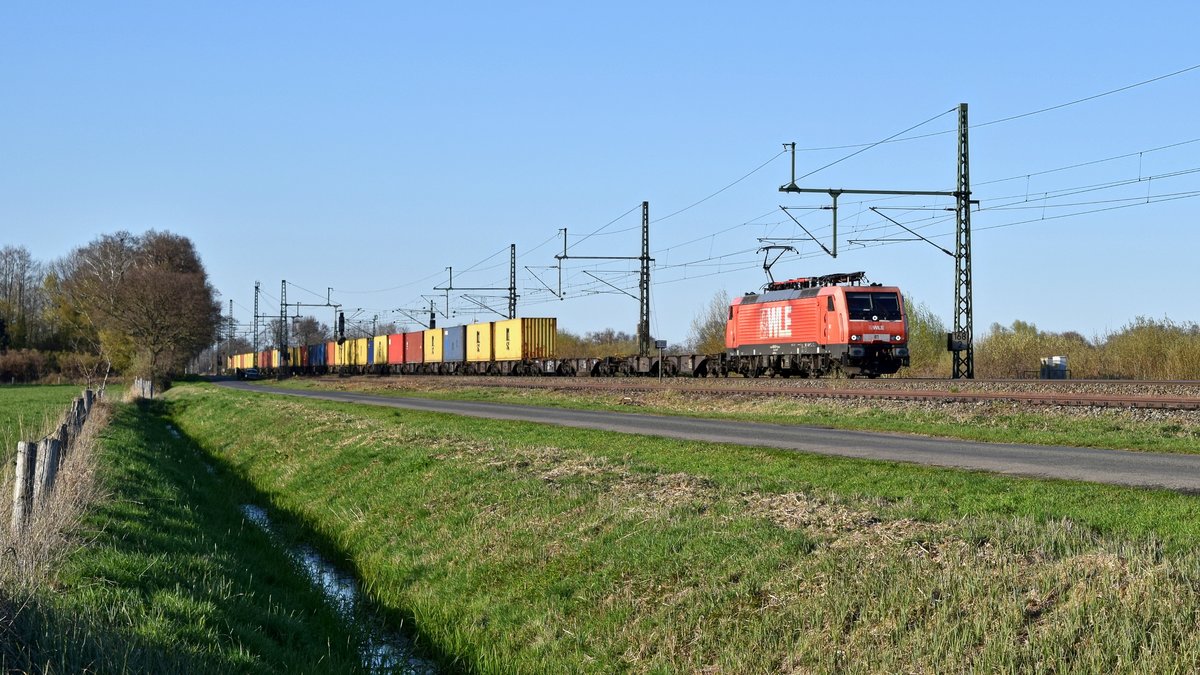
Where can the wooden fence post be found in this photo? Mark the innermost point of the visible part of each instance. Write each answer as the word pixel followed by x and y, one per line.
pixel 80 415
pixel 65 440
pixel 88 399
pixel 65 431
pixel 46 469
pixel 23 486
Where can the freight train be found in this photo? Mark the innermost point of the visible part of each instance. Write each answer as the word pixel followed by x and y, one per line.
pixel 805 327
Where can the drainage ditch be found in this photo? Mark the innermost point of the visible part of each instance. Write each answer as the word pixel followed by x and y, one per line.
pixel 382 650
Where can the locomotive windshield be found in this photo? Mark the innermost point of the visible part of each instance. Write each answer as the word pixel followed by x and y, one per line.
pixel 873 306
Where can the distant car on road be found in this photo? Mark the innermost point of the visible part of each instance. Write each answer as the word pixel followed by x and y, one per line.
pixel 250 374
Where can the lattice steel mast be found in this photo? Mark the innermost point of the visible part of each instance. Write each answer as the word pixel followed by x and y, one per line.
pixel 283 330
pixel 255 336
pixel 644 285
pixel 512 288
pixel 963 337
pixel 643 328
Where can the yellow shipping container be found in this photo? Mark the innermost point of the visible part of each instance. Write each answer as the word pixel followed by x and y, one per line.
pixel 433 345
pixel 274 358
pixel 479 342
pixel 360 351
pixel 381 350
pixel 345 353
pixel 519 339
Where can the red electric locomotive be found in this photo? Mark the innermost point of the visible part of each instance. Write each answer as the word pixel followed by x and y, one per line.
pixel 816 325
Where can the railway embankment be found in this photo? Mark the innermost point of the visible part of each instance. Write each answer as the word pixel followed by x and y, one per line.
pixel 162 573
pixel 517 546
pixel 502 546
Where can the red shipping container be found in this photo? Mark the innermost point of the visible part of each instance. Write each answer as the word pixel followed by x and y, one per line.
pixel 303 356
pixel 414 347
pixel 395 355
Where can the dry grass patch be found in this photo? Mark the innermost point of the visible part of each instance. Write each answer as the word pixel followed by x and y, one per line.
pixel 51 533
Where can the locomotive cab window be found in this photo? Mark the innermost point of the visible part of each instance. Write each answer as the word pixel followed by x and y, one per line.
pixel 873 306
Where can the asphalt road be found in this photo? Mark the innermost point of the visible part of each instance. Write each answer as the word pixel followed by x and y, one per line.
pixel 1137 469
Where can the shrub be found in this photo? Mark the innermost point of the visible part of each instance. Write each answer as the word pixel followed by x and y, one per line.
pixel 25 365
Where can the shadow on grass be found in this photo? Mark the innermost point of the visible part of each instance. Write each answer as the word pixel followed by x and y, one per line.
pixel 172 578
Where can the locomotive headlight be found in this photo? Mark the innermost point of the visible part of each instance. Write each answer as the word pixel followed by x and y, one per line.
pixel 897 338
pixel 854 338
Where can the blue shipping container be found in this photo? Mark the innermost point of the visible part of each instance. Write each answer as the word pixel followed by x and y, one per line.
pixel 316 355
pixel 454 343
pixel 370 352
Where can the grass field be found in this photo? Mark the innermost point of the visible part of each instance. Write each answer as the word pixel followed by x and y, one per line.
pixel 519 547
pixel 27 412
pixel 1144 430
pixel 167 577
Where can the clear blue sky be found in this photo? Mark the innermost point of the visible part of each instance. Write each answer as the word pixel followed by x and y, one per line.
pixel 368 146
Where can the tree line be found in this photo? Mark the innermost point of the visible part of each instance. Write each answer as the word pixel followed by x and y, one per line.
pixel 1144 349
pixel 134 304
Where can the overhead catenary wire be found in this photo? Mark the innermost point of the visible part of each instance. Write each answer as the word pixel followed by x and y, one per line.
pixel 602 227
pixel 1047 196
pixel 697 203
pixel 1010 118
pixel 872 145
pixel 1136 153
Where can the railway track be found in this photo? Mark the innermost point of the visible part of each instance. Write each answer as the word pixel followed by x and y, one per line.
pixel 1074 393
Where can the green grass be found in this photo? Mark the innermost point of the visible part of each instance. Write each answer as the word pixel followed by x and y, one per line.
pixel 999 423
pixel 169 578
pixel 521 547
pixel 28 411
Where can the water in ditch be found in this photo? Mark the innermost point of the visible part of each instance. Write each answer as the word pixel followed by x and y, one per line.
pixel 382 650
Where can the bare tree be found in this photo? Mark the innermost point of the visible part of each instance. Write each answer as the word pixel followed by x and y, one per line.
pixel 170 316
pixel 306 330
pixel 708 327
pixel 83 287
pixel 145 300
pixel 22 298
